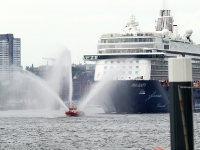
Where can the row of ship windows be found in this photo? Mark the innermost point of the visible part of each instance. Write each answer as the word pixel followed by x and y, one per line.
pixel 180 41
pixel 159 62
pixel 130 67
pixel 6 51
pixel 159 68
pixel 2 59
pixel 159 78
pixel 4 62
pixel 196 71
pixel 196 61
pixel 7 46
pixel 122 40
pixel 129 72
pixel 198 66
pixel 124 61
pixel 125 45
pixel 159 73
pixel 195 66
pixel 126 51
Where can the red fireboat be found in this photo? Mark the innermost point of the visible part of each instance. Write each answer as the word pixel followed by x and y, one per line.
pixel 74 112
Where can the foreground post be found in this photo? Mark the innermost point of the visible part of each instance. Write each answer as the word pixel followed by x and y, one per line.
pixel 180 75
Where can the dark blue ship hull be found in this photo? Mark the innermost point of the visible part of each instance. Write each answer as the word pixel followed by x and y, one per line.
pixel 133 96
pixel 138 96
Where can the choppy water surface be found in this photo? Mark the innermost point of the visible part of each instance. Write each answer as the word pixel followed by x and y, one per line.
pixel 94 131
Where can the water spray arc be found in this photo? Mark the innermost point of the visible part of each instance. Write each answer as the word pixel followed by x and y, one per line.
pixel 98 86
pixel 37 88
pixel 61 78
pixel 35 93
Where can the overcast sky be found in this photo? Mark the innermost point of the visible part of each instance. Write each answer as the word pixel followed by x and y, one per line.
pixel 48 26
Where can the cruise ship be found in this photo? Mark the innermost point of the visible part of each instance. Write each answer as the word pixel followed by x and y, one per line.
pixel 140 84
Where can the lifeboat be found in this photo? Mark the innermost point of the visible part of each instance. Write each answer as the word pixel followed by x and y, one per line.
pixel 166 83
pixel 74 112
pixel 196 83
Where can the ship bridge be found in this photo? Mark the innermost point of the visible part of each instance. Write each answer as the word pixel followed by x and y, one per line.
pixel 95 57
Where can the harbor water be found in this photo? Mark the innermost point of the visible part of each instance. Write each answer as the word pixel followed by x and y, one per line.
pixel 47 129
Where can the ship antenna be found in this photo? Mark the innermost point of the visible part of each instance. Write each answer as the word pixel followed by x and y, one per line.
pixel 133 22
pixel 164 2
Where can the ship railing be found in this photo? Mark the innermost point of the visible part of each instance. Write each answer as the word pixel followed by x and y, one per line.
pixel 110 35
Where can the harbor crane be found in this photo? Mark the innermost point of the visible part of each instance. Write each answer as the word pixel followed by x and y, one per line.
pixel 52 59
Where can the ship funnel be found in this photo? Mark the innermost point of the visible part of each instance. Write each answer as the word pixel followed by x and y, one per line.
pixel 165 21
pixel 164 13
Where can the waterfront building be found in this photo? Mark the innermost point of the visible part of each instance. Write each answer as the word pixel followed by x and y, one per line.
pixel 10 55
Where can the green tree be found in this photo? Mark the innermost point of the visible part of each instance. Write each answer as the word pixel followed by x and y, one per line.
pixel 76 70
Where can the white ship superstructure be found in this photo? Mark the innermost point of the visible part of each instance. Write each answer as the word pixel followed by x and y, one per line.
pixel 141 61
pixel 133 42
